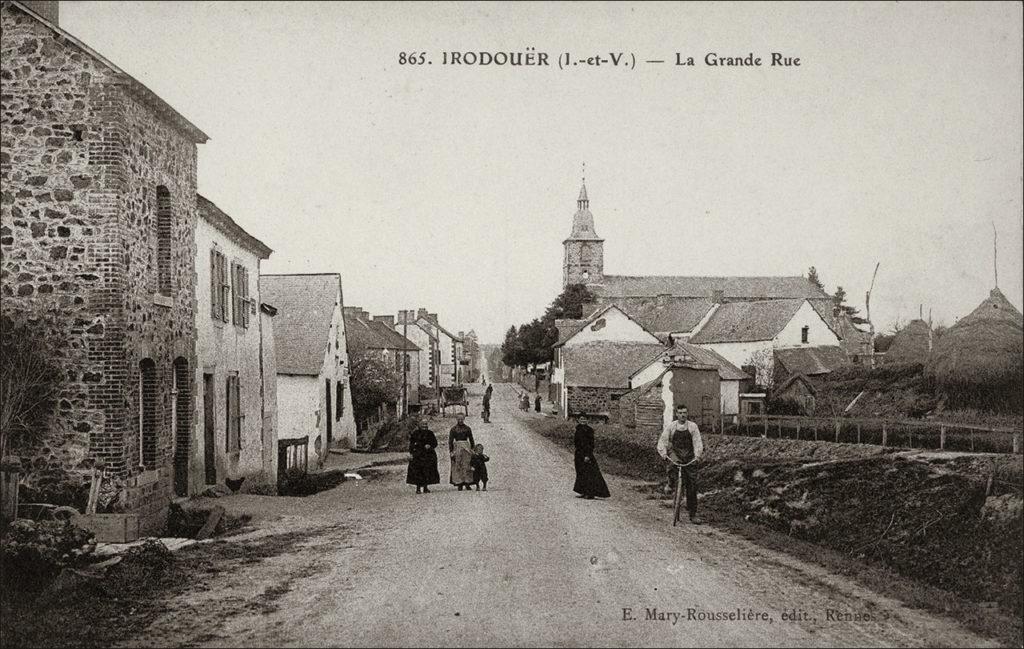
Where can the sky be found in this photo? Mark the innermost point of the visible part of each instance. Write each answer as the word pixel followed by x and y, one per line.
pixel 896 141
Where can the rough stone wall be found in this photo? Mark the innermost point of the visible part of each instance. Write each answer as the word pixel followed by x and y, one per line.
pixel 56 238
pixel 594 401
pixel 583 262
pixel 81 164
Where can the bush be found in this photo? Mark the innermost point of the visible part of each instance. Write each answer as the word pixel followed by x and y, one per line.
pixel 33 552
pixel 30 381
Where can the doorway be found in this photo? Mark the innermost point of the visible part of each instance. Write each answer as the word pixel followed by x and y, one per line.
pixel 329 413
pixel 209 419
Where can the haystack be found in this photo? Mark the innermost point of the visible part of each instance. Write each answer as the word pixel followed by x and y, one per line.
pixel 979 361
pixel 911 344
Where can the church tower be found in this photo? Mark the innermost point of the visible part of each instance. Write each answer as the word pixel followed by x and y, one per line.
pixel 584 250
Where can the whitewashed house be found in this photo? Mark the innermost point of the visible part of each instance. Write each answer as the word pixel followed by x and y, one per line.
pixel 741 332
pixel 314 396
pixel 233 437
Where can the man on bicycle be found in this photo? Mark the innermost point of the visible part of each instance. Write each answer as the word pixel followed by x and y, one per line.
pixel 681 444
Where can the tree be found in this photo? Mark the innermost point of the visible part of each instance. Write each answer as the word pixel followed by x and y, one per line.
pixel 374 383
pixel 532 342
pixel 812 277
pixel 31 379
pixel 763 361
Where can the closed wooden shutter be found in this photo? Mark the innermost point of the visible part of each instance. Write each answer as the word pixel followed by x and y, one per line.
pixel 214 286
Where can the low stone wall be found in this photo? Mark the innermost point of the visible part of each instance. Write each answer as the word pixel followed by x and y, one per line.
pixel 596 401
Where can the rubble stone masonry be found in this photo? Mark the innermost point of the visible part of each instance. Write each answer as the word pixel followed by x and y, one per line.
pixel 84 160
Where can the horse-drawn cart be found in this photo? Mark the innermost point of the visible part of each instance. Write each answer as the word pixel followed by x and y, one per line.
pixel 454 397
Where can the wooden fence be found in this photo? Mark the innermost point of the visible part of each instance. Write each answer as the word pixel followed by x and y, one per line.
pixel 885 432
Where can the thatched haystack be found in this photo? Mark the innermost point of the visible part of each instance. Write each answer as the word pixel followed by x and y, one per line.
pixel 979 361
pixel 911 344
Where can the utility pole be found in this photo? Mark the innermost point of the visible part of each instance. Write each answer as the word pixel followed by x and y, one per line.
pixel 871 323
pixel 405 364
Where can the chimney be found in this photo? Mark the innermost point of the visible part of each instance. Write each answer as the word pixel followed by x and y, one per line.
pixel 663 299
pixel 352 311
pixel 718 296
pixel 365 315
pixel 389 320
pixel 402 316
pixel 48 10
pixel 421 313
pixel 432 317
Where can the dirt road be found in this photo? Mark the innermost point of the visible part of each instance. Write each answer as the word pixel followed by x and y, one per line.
pixel 525 563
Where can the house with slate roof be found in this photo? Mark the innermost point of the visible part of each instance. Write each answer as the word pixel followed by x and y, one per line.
pixel 314 396
pixel 740 331
pixel 592 365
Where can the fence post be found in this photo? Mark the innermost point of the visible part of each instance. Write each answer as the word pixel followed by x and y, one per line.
pixel 972 439
pixel 765 420
pixel 815 430
pixel 798 430
pixel 858 433
pixel 839 426
pixel 1016 443
pixel 780 428
pixel 942 438
pixel 885 435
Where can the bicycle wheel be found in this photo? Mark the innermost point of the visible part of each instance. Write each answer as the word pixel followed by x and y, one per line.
pixel 678 504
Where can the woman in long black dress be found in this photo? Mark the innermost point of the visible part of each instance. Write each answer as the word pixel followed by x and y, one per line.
pixel 423 461
pixel 589 481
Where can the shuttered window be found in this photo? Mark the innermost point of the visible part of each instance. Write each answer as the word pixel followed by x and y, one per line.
pixel 241 305
pixel 220 287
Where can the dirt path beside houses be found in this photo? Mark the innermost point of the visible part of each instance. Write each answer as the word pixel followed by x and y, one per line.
pixel 371 563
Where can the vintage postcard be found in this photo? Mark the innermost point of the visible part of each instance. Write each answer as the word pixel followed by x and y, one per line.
pixel 378 324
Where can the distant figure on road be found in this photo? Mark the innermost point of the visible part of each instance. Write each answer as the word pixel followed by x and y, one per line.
pixel 536 403
pixel 524 402
pixel 681 443
pixel 479 463
pixel 460 448
pixel 423 458
pixel 589 481
pixel 487 404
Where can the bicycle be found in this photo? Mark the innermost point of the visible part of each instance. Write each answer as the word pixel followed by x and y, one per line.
pixel 677 503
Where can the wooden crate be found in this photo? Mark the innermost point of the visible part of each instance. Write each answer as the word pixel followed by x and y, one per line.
pixel 111 528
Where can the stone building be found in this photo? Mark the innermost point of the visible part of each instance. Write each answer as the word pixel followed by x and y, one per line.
pixel 314 397
pixel 97 232
pixel 232 438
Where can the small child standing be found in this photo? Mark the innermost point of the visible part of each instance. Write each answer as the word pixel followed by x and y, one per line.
pixel 479 464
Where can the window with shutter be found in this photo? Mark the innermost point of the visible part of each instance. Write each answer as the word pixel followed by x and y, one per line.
pixel 214 286
pixel 225 287
pixel 245 296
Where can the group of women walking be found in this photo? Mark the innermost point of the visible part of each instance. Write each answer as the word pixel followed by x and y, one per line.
pixel 468 466
pixel 467 469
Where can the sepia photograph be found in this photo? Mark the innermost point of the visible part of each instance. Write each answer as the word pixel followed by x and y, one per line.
pixel 494 324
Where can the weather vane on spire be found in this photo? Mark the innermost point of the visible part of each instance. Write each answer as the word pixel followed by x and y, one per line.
pixel 584 172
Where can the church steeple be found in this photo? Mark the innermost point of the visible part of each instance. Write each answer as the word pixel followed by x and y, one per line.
pixel 583 262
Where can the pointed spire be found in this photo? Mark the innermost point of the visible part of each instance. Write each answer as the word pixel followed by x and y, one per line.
pixel 583 202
